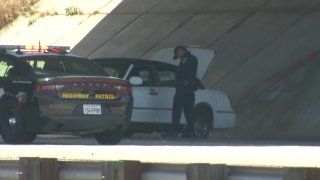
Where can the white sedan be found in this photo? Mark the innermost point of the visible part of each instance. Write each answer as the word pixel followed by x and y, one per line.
pixel 154 88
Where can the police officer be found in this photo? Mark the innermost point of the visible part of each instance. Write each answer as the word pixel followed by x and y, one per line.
pixel 185 92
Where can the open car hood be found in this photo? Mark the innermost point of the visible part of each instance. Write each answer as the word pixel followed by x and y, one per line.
pixel 205 57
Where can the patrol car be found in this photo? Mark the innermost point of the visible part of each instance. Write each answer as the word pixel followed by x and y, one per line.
pixel 154 88
pixel 44 89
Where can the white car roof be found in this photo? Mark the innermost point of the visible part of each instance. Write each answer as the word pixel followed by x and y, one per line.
pixel 205 57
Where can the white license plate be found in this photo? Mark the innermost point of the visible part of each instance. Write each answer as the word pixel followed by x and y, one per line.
pixel 92 109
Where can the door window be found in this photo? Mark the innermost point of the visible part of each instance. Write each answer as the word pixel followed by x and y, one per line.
pixel 143 71
pixel 166 75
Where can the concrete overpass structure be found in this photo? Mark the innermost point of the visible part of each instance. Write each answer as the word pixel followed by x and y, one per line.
pixel 267 54
pixel 267 50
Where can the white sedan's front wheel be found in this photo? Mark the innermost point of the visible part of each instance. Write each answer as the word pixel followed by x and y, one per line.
pixel 202 123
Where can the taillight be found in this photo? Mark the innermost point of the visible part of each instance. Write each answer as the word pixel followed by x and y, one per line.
pixel 49 88
pixel 124 89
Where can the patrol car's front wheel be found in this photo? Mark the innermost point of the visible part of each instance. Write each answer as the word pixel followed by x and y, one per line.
pixel 12 128
pixel 109 137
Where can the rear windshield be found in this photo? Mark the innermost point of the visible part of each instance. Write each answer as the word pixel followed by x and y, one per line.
pixel 63 65
pixel 116 70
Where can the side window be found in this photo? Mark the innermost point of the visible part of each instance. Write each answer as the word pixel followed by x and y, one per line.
pixel 166 75
pixel 18 69
pixel 4 68
pixel 144 72
pixel 36 64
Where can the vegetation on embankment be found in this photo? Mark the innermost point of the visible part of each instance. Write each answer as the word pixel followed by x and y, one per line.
pixel 11 9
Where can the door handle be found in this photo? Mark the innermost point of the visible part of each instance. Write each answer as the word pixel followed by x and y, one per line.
pixel 153 92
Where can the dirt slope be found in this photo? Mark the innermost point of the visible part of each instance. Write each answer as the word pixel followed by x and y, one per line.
pixel 55 22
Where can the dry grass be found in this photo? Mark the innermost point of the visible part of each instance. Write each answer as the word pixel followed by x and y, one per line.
pixel 11 9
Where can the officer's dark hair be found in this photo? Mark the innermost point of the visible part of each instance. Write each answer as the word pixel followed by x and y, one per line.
pixel 177 48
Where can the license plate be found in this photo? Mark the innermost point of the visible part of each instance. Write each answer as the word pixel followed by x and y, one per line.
pixel 92 109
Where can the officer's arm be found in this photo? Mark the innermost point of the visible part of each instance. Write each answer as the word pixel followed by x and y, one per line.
pixel 192 70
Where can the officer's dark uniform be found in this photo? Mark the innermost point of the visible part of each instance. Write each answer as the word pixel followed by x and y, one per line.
pixel 185 93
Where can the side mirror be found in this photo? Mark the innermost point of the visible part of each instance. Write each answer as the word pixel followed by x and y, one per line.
pixel 135 80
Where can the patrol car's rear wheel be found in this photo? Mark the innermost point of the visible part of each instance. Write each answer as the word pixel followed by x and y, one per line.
pixel 12 128
pixel 128 133
pixel 202 123
pixel 109 137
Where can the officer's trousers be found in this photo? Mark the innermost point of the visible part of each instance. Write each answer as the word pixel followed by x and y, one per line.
pixel 183 101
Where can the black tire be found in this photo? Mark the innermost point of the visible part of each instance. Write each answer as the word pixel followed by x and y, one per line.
pixel 13 134
pixel 128 133
pixel 109 137
pixel 203 123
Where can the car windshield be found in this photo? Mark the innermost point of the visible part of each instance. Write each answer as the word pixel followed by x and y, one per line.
pixel 64 65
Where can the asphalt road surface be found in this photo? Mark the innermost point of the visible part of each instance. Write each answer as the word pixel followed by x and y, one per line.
pixel 155 139
pixel 138 139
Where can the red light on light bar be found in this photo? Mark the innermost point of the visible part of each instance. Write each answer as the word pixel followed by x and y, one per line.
pixel 54 50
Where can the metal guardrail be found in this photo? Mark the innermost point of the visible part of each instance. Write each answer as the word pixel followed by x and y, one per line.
pixel 256 156
pixel 52 169
pixel 78 162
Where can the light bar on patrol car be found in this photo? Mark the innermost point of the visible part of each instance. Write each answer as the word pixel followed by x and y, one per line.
pixel 33 47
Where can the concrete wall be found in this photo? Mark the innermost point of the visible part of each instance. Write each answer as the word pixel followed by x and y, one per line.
pixel 267 53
